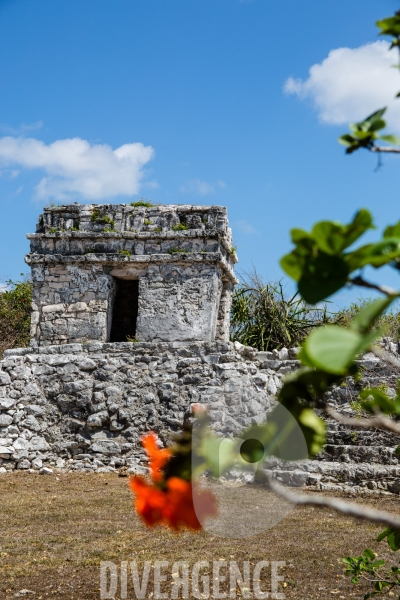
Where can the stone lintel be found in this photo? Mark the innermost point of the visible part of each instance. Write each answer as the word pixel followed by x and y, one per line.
pixel 122 261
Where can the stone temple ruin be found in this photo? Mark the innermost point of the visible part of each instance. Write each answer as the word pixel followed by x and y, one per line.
pixel 112 272
pixel 130 327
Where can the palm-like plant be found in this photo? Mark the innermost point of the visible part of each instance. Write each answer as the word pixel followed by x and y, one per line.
pixel 262 316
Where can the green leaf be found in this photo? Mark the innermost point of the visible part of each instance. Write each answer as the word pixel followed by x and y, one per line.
pixel 293 264
pixel 376 255
pixel 314 430
pixel 305 384
pixel 377 124
pixel 316 262
pixel 389 26
pixel 301 238
pixel 369 554
pixel 329 236
pixel 391 139
pixel 367 317
pixel 322 276
pixel 334 349
pixel 392 231
pixel 347 140
pixel 384 534
pixel 353 148
pixel 378 563
pixel 361 222
pixel 378 114
pixel 380 402
pixel 333 237
pixel 380 585
pixel 363 136
pixel 393 538
pixel 395 569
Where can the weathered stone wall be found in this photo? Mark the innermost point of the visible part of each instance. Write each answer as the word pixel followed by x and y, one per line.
pixel 85 406
pixel 181 255
pixel 70 303
pixel 177 301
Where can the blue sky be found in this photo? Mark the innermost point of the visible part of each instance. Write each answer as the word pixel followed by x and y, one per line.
pixel 192 93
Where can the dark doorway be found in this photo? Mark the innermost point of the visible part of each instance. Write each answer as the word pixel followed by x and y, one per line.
pixel 125 310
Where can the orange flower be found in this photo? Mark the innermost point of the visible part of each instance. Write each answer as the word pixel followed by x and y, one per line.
pixel 157 457
pixel 169 501
pixel 149 500
pixel 174 505
pixel 180 509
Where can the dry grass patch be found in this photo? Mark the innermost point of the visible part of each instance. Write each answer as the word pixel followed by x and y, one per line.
pixel 55 530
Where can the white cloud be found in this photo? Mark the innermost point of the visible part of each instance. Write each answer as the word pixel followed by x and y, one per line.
pixel 351 83
pixel 75 168
pixel 201 188
pixel 245 227
pixel 21 129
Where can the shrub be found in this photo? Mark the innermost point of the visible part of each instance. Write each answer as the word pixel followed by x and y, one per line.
pixel 180 227
pixel 144 203
pixel 104 219
pixel 262 316
pixel 15 315
pixel 388 322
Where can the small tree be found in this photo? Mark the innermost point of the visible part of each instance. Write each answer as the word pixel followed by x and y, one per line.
pixel 15 315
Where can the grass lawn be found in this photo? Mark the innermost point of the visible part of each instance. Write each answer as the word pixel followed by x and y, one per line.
pixel 55 530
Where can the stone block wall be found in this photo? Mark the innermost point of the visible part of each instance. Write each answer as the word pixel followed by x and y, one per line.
pixel 70 303
pixel 85 406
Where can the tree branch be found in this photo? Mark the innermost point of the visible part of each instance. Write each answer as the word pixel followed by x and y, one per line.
pixel 378 421
pixel 387 149
pixel 345 508
pixel 384 355
pixel 373 286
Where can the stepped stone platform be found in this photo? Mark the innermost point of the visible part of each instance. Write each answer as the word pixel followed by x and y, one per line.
pixel 354 460
pixel 83 407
